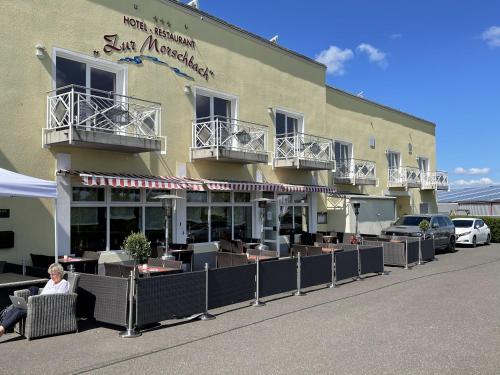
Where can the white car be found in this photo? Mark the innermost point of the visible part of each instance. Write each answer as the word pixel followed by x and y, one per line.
pixel 471 231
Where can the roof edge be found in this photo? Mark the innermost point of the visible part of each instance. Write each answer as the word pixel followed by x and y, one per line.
pixel 380 105
pixel 230 26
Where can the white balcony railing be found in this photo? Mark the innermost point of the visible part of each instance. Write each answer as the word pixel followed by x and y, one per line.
pixel 404 176
pixel 355 169
pixel 229 134
pixel 81 108
pixel 303 146
pixel 435 180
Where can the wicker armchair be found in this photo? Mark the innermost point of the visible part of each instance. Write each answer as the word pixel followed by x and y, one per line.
pixel 50 314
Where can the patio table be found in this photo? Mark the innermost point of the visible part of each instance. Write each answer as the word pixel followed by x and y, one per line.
pixel 157 270
pixel 81 264
pixel 329 250
pixel 250 245
pixel 329 239
pixel 262 258
pixel 183 254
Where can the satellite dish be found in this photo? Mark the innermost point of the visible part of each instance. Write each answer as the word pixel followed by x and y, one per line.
pixel 274 39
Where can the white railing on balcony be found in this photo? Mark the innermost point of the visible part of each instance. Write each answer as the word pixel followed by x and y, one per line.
pixel 404 176
pixel 435 180
pixel 303 146
pixel 355 169
pixel 76 107
pixel 229 134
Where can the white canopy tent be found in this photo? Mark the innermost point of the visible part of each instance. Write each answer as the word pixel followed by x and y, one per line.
pixel 18 185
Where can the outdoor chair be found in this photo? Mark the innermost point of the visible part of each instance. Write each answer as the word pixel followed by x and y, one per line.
pixel 347 238
pixel 237 246
pixel 269 253
pixel 50 314
pixel 296 249
pixel 177 264
pixel 112 269
pixel 239 259
pixel 318 238
pixel 224 260
pixel 253 251
pixel 225 246
pixel 125 270
pixel 178 246
pixel 43 261
pixel 307 239
pixel 314 250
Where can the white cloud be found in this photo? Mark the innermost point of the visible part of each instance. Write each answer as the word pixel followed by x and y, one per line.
pixel 374 54
pixel 335 58
pixel 481 181
pixel 474 171
pixel 492 36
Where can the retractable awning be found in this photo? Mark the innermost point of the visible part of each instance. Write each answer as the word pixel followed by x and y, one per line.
pixel 135 181
pixel 262 186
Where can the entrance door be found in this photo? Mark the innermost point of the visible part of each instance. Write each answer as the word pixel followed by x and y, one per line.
pixel 271 224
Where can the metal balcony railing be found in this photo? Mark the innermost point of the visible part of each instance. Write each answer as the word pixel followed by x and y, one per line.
pixel 82 108
pixel 355 169
pixel 404 176
pixel 435 180
pixel 230 134
pixel 303 146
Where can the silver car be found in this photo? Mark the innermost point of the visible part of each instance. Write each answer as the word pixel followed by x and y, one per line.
pixel 441 228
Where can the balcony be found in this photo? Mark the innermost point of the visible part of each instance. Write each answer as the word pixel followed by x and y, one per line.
pixel 406 177
pixel 303 151
pixel 435 181
pixel 355 172
pixel 229 140
pixel 89 118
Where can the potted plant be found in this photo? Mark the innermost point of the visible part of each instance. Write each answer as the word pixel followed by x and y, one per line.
pixel 424 227
pixel 137 246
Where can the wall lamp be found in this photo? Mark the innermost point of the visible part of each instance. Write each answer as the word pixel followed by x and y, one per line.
pixel 187 90
pixel 270 110
pixel 40 51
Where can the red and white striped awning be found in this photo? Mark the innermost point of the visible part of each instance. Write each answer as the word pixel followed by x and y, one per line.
pixel 262 186
pixel 136 181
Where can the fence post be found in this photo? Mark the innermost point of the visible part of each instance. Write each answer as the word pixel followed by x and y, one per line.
pixel 406 254
pixel 130 332
pixel 359 263
pixel 24 266
pixel 206 315
pixel 419 251
pixel 257 302
pixel 299 274
pixel 332 284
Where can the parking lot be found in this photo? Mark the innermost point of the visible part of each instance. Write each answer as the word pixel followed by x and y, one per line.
pixel 438 318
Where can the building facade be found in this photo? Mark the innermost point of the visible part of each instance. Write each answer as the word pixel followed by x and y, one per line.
pixel 122 101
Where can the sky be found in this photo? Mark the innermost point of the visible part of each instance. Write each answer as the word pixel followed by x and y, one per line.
pixel 438 60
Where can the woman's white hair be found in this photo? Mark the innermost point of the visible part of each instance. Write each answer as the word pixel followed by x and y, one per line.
pixel 56 268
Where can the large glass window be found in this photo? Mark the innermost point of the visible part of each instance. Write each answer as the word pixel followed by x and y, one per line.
pixel 88 229
pixel 88 194
pixel 221 223
pixel 125 195
pixel 211 107
pixel 342 151
pixel 152 193
pixel 286 124
pixel 155 226
pixel 196 196
pixel 393 159
pixel 197 224
pixel 242 222
pixel 122 222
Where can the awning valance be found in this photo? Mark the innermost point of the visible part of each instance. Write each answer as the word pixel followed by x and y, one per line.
pixel 135 181
pixel 263 186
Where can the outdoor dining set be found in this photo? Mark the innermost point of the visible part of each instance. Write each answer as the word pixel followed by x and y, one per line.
pixel 126 294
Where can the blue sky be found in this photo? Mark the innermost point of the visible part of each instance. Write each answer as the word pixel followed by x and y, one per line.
pixel 439 60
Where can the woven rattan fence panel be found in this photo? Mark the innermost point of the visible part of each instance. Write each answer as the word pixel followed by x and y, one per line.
pixel 103 298
pixel 278 276
pixel 371 259
pixel 346 264
pixel 428 251
pixel 167 297
pixel 231 285
pixel 316 270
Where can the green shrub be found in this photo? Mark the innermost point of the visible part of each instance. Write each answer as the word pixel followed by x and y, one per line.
pixel 137 246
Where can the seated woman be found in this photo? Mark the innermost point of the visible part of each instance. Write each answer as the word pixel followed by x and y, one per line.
pixel 55 285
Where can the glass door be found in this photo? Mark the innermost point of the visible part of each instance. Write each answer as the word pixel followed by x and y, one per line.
pixel 271 226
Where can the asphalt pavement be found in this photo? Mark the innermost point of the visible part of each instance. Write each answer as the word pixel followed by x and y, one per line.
pixel 442 317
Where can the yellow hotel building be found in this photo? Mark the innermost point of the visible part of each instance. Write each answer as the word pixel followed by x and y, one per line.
pixel 120 101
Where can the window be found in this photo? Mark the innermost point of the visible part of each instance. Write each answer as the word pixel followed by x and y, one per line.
pixel 424 208
pixel 216 215
pixel 293 213
pixel 442 221
pixel 88 228
pixel 423 164
pixel 343 151
pixel 212 106
pixel 125 195
pixel 288 124
pixel 122 222
pixel 88 194
pixel 393 159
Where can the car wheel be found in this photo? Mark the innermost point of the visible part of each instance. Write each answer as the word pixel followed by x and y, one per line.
pixel 488 240
pixel 451 245
pixel 474 241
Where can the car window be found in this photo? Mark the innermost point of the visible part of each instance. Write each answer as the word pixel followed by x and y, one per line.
pixel 434 222
pixel 411 220
pixel 480 223
pixel 463 223
pixel 442 222
pixel 448 220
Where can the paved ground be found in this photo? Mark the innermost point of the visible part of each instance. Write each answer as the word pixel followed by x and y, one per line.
pixel 439 318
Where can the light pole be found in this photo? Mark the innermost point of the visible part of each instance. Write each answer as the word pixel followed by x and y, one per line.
pixel 166 203
pixel 356 212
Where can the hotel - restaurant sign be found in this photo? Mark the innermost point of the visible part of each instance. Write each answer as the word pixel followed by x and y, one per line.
pixel 155 42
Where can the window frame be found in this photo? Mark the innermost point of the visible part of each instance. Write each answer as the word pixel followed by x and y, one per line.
pixel 292 114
